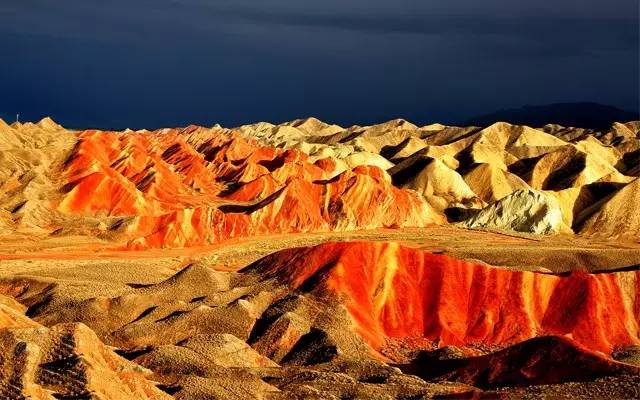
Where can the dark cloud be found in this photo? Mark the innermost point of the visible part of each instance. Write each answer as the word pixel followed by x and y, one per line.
pixel 153 63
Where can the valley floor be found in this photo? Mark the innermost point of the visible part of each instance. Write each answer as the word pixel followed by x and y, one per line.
pixel 553 253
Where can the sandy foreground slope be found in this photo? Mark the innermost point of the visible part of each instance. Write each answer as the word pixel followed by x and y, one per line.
pixel 307 260
pixel 266 334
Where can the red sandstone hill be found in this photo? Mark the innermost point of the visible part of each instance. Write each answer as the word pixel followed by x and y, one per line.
pixel 328 317
pixel 393 291
pixel 317 322
pixel 194 186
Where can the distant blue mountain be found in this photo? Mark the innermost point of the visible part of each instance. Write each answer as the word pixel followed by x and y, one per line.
pixel 581 115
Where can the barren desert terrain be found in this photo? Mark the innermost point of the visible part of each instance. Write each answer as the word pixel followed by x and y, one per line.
pixel 308 260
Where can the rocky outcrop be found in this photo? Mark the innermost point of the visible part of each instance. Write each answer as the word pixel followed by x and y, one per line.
pixel 394 291
pixel 322 319
pixel 195 186
pixel 616 215
pixel 522 211
pixel 540 361
pixel 66 361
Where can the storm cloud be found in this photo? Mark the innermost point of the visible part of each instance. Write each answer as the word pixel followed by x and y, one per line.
pixel 161 63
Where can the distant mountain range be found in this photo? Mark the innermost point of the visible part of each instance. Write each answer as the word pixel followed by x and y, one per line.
pixel 582 115
pixel 579 115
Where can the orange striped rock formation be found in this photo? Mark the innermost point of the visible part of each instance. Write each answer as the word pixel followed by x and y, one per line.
pixel 196 186
pixel 393 292
pixel 81 318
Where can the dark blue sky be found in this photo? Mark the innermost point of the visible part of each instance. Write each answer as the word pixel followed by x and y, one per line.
pixel 153 63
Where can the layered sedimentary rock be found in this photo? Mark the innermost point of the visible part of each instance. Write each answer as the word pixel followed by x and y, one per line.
pixel 539 361
pixel 495 161
pixel 31 158
pixel 491 183
pixel 194 187
pixel 442 186
pixel 67 361
pixel 525 210
pixel 393 291
pixel 616 215
pixel 325 319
